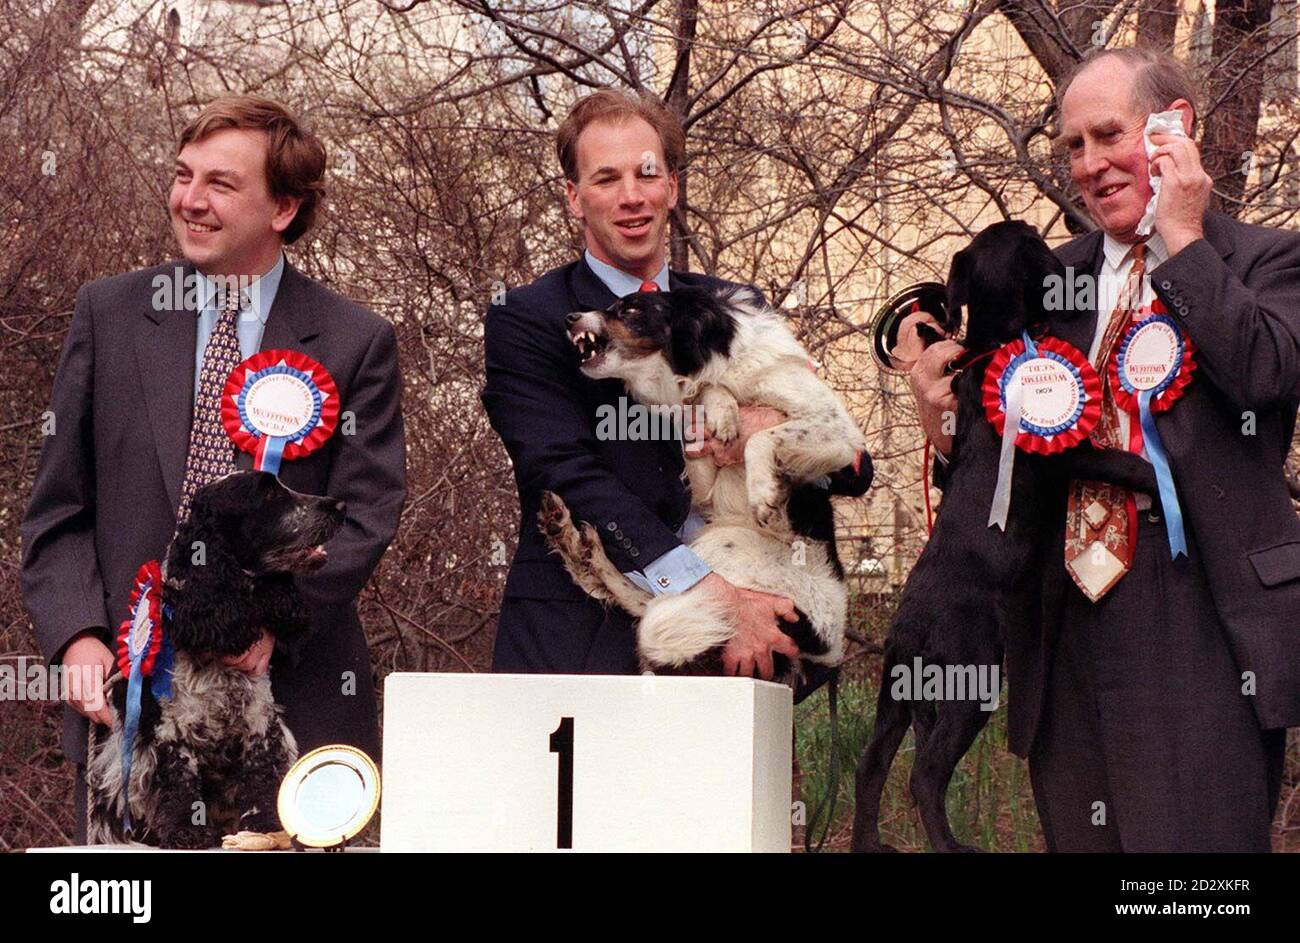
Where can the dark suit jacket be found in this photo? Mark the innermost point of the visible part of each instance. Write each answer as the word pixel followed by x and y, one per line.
pixel 109 479
pixel 544 409
pixel 1236 293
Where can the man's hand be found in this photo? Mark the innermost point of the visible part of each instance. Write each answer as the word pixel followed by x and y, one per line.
pixel 752 419
pixel 757 634
pixel 256 659
pixel 928 378
pixel 1185 190
pixel 88 664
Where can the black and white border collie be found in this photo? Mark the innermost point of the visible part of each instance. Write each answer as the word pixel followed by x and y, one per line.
pixel 720 350
pixel 208 760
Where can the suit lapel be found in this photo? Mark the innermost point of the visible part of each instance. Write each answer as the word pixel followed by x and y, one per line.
pixel 290 322
pixel 1083 256
pixel 164 346
pixel 588 291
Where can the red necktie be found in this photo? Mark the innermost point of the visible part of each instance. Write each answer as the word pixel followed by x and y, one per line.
pixel 1101 519
pixel 648 286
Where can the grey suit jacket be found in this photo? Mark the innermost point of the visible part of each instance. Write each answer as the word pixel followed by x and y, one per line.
pixel 109 480
pixel 1236 293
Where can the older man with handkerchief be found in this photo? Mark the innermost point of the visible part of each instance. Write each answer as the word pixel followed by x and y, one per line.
pixel 1153 699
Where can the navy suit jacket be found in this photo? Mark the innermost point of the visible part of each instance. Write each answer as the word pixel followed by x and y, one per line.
pixel 109 480
pixel 545 411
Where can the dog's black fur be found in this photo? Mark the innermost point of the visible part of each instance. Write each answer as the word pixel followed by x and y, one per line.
pixel 973 579
pixel 218 739
pixel 688 324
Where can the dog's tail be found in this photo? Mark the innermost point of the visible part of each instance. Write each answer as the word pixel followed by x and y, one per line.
pixel 584 557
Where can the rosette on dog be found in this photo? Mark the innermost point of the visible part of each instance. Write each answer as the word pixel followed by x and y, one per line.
pixel 1152 367
pixel 142 652
pixel 1041 396
pixel 279 404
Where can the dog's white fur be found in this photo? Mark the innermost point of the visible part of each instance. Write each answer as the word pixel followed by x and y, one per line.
pixel 204 703
pixel 765 366
pixel 747 541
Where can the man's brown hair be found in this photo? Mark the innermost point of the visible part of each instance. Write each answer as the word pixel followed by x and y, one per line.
pixel 295 158
pixel 1159 79
pixel 615 106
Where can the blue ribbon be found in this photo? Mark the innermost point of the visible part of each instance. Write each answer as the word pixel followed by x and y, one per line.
pixel 1030 347
pixel 131 725
pixel 273 452
pixel 1164 476
pixel 161 686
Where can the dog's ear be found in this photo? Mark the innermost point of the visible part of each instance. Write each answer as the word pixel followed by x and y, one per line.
pixel 700 325
pixel 959 275
pixel 1041 268
pixel 203 589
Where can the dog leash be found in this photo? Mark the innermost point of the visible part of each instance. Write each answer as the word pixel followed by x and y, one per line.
pixel 833 777
pixel 115 677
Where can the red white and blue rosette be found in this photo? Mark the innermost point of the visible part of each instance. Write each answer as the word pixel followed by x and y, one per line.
pixel 143 651
pixel 1151 368
pixel 140 636
pixel 1042 397
pixel 279 404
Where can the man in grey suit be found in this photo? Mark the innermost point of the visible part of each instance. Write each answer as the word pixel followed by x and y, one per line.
pixel 1152 700
pixel 109 482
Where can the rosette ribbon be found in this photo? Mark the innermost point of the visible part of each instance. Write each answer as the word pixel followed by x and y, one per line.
pixel 1073 405
pixel 143 651
pixel 1151 368
pixel 279 405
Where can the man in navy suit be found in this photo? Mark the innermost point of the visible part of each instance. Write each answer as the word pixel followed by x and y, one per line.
pixel 620 154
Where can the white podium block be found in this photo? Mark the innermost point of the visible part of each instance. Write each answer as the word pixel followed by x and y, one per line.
pixel 491 762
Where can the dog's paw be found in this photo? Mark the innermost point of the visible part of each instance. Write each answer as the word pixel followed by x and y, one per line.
pixel 771 518
pixel 257 841
pixel 553 518
pixel 723 421
pixel 768 505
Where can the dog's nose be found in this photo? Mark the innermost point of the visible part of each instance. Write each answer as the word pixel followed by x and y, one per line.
pixel 572 319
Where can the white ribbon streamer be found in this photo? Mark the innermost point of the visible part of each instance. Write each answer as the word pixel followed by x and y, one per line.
pixel 1007 457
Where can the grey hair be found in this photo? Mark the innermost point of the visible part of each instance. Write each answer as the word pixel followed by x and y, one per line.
pixel 1160 79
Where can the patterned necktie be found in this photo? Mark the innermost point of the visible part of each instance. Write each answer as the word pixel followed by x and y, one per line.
pixel 211 453
pixel 1101 519
pixel 648 286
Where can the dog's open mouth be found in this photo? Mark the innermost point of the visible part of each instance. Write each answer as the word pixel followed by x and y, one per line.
pixel 301 559
pixel 590 346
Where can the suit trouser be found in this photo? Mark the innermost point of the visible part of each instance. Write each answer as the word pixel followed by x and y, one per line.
pixel 1147 742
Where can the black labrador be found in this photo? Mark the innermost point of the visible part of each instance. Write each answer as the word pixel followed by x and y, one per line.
pixel 973 579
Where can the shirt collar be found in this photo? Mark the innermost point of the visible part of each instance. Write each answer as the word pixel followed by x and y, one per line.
pixel 620 282
pixel 261 292
pixel 1117 252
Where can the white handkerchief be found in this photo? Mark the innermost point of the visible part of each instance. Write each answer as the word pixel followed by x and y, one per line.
pixel 1164 122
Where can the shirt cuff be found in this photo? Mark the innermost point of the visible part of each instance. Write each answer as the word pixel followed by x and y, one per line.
pixel 675 572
